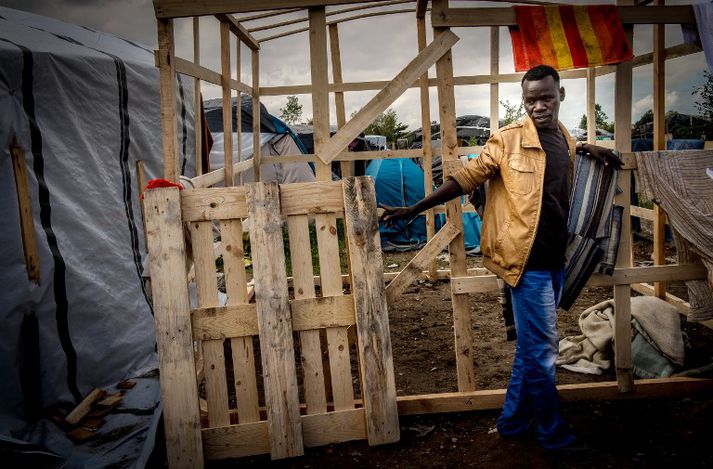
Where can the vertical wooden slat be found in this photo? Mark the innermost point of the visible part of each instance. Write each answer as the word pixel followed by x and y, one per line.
pixel 622 293
pixel 227 102
pixel 659 144
pixel 216 387
pixel 320 90
pixel 239 107
pixel 337 337
pixel 494 71
pixel 303 286
pixel 197 98
pixel 243 355
pixel 454 214
pixel 591 106
pixel 179 394
pixel 345 166
pixel 426 137
pixel 24 205
pixel 167 77
pixel 255 57
pixel 274 321
pixel 372 319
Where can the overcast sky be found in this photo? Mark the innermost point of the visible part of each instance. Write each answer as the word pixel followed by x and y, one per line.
pixel 378 48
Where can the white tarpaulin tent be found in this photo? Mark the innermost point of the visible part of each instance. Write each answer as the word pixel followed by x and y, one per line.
pixel 84 106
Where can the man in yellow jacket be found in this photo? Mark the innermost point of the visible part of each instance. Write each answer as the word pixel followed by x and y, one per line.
pixel 529 165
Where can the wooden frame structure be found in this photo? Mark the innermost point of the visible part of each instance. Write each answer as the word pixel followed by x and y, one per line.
pixel 464 282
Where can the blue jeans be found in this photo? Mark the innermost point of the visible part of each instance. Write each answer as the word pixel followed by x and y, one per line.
pixel 531 393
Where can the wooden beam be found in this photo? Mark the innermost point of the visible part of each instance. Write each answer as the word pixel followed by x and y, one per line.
pixel 421 260
pixel 270 14
pixel 659 75
pixel 227 103
pixel 167 78
pixel 310 198
pixel 179 393
pixel 376 364
pixel 464 17
pixel 494 70
pixel 274 320
pixel 239 30
pixel 591 106
pixel 320 92
pixel 419 65
pixel 197 101
pixel 24 205
pixel 213 204
pixel 421 8
pixel 181 8
pixel 338 96
pixel 186 67
pixel 255 61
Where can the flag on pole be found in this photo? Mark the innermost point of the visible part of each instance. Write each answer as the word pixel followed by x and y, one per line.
pixel 568 36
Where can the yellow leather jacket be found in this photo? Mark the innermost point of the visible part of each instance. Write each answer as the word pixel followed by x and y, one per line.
pixel 514 162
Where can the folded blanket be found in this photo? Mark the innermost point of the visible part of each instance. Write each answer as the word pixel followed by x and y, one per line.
pixel 567 36
pixel 658 325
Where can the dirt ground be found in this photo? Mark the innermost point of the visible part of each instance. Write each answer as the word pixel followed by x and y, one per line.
pixel 632 433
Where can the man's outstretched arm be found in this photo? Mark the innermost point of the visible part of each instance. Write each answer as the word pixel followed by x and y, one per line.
pixel 450 189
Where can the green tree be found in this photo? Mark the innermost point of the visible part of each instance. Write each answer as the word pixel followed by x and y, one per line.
pixel 600 118
pixel 388 125
pixel 513 112
pixel 292 112
pixel 704 103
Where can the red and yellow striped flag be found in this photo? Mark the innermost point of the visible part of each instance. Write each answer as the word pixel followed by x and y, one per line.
pixel 567 36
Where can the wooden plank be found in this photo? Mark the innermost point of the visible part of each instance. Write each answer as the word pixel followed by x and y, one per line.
pixel 311 198
pixel 320 93
pixel 334 427
pixel 236 441
pixel 274 320
pixel 421 8
pixel 179 393
pixel 181 8
pixel 197 99
pixel 239 30
pixel 659 75
pixel 303 286
pixel 622 293
pixel 220 203
pixel 239 110
pixel 420 261
pixel 255 61
pixel 379 103
pixel 213 323
pixel 463 17
pixel 493 399
pixel 591 106
pixel 337 337
pixel 494 70
pixel 24 205
pixel 242 350
pixel 167 83
pixel 83 408
pixel 208 179
pixel 195 70
pixel 227 103
pixel 372 318
pixel 322 312
pixel 216 385
pixel 339 95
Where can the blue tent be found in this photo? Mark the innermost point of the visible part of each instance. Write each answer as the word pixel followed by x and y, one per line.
pixel 399 182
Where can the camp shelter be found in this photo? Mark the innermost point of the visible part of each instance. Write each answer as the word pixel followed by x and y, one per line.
pixel 81 116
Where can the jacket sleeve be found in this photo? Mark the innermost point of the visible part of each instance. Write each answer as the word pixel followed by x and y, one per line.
pixel 482 168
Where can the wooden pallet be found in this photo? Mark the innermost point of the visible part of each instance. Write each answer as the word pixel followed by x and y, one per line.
pixel 280 427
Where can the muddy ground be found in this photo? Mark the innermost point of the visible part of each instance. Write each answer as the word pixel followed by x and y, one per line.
pixel 633 433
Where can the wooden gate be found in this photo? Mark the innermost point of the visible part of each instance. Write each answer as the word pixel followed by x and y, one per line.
pixel 229 412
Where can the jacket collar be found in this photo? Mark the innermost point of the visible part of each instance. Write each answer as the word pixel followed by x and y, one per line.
pixel 530 137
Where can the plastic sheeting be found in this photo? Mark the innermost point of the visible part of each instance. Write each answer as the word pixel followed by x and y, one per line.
pixel 85 108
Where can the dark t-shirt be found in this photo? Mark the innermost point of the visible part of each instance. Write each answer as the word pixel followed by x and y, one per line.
pixel 548 249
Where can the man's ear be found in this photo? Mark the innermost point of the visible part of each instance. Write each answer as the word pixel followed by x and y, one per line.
pixel 561 93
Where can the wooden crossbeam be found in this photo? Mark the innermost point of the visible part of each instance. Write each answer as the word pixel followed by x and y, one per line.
pixel 419 65
pixel 239 30
pixel 415 267
pixel 24 204
pixel 182 8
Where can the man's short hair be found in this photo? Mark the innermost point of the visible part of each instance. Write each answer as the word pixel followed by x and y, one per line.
pixel 539 72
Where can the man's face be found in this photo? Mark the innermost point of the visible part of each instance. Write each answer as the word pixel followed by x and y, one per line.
pixel 541 99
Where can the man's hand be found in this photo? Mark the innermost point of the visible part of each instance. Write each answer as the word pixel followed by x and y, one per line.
pixel 605 155
pixel 393 214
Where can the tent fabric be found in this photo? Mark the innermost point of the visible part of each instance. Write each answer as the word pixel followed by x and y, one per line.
pixel 399 182
pixel 84 106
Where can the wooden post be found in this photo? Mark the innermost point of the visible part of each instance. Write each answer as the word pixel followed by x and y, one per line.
pixel 372 319
pixel 622 293
pixel 591 106
pixel 167 77
pixel 255 55
pixel 659 144
pixel 494 71
pixel 197 98
pixel 274 321
pixel 227 102
pixel 454 212
pixel 179 393
pixel 24 204
pixel 320 87
pixel 426 137
pixel 345 166
pixel 239 107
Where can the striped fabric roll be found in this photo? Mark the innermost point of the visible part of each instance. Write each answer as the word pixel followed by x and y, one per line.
pixel 568 36
pixel 594 226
